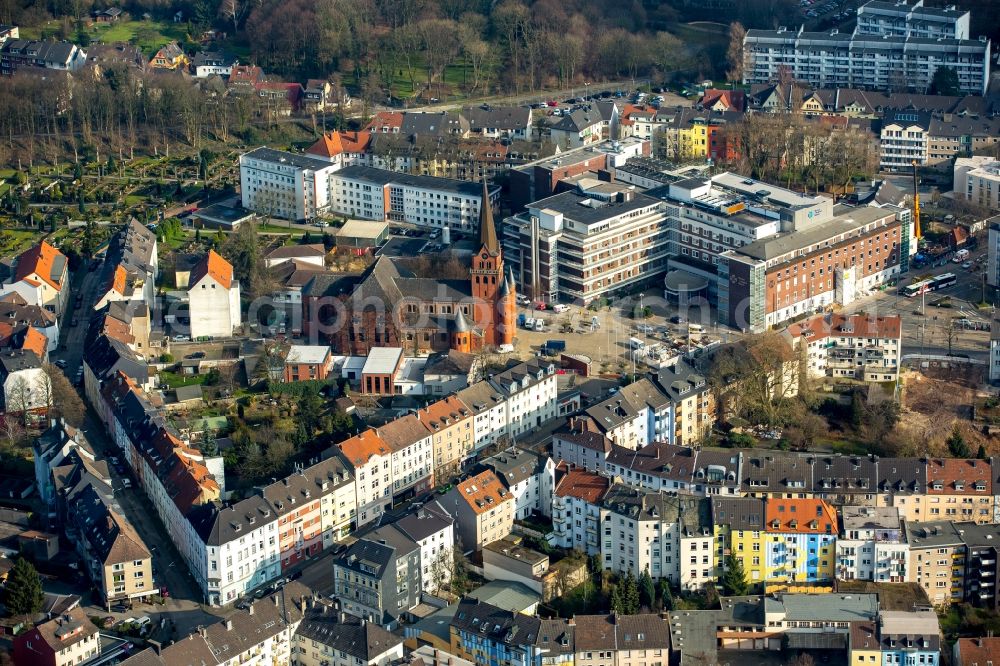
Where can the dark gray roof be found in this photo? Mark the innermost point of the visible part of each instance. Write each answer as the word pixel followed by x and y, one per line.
pixel 515 466
pixel 482 619
pixel 423 523
pixel 330 284
pixel 932 534
pixel 846 220
pixel 574 206
pixel 739 513
pixel 384 177
pixel 979 535
pixel 497 117
pixel 379 549
pixel 293 159
pixel 659 459
pixel 440 123
pixel 450 363
pixel 844 474
pixel 579 120
pixel 680 380
pixel 906 475
pixel 693 514
pixel 217 526
pixel 775 471
pixel 362 640
pixel 718 466
pixel 15 360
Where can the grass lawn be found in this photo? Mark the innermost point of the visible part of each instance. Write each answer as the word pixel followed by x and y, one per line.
pixel 584 599
pixel 175 380
pixel 147 35
pixel 15 240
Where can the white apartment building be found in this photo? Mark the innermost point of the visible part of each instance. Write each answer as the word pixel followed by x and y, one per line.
pixel 624 422
pixel 368 193
pixel 599 240
pixel 977 178
pixel 993 253
pixel 668 535
pixel 289 186
pixel 369 458
pixel 529 476
pixel 855 346
pixel 489 410
pixel 240 547
pixel 994 372
pixel 530 395
pixel 868 61
pixel 213 298
pixel 904 138
pixel 433 529
pixel 576 508
pixel 899 19
pixel 871 545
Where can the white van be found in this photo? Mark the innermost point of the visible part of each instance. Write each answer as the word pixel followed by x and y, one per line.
pixel 539 324
pixel 636 343
pixel 960 256
pixel 560 308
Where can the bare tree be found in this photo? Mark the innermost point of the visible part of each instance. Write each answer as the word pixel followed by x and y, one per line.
pixel 734 54
pixel 442 570
pixel 20 399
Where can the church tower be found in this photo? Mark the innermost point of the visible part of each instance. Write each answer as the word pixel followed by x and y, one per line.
pixel 488 279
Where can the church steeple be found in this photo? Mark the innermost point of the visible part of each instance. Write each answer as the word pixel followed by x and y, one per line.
pixel 487 229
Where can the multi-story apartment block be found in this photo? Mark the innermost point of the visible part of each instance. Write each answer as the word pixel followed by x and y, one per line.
pixel 306 504
pixel 17 53
pixel 450 424
pixel 796 616
pixel 484 634
pixel 433 530
pixel 326 637
pixel 214 298
pixel 776 475
pixel 982 575
pixel 977 178
pixel 857 346
pixel 596 241
pixel 900 19
pixel 739 532
pixel 389 463
pixel 910 637
pixel 66 640
pixel 624 422
pixel 691 411
pixel 668 535
pixel 934 139
pixel 656 466
pixel 937 560
pixel 845 480
pixel 530 394
pixel 378 579
pixel 900 58
pixel 117 560
pixel 289 186
pixel 717 473
pixel 483 510
pixel 901 484
pixel 975 651
pixel 489 413
pixel 239 547
pixel 620 640
pixel 576 513
pixel 871 545
pixel 801 540
pixel 959 489
pixel 530 478
pixel 439 203
pixel 59 446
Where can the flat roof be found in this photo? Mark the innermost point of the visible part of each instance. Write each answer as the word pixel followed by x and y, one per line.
pixel 224 213
pixel 845 221
pixel 362 229
pixel 283 157
pixel 385 177
pixel 588 210
pixel 830 607
pixel 307 354
pixel 382 360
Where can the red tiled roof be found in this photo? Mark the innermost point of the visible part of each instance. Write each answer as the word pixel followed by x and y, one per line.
pixel 580 483
pixel 443 414
pixel 391 119
pixel 362 447
pixel 978 651
pixel 802 516
pixel 855 326
pixel 483 492
pixel 39 261
pixel 214 265
pixel 34 340
pixel 959 476
pixel 337 143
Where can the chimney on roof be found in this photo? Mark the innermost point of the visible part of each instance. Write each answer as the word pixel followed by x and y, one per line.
pixel 229 625
pixel 250 608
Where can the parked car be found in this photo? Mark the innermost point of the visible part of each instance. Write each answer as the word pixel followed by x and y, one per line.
pixel 182 338
pixel 197 354
pixel 61 364
pixel 560 308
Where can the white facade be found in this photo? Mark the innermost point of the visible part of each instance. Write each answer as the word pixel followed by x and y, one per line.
pixel 285 185
pixel 376 194
pixel 576 524
pixel 236 567
pixel 374 492
pixel 868 61
pixel 215 310
pixel 977 178
pixel 905 20
pixel 531 402
pixel 412 464
pixel 903 141
pixel 23 389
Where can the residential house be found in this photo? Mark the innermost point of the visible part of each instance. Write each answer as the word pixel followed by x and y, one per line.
pixel 489 413
pixel 286 185
pixel 431 528
pixel 369 458
pixel 214 298
pixel 959 489
pixel 312 254
pixel 65 640
pixel 576 514
pixel 668 535
pixel 450 424
pixel 170 56
pixel 115 556
pixel 496 122
pixel 22 379
pixel 483 633
pixel 448 372
pixel 690 411
pixel 316 94
pixel 801 540
pixel 717 472
pixel 657 466
pixel 798 619
pixel 307 362
pixel 856 346
pixel 622 421
pixel 871 545
pixel 739 533
pixel 342 148
pixel 59 445
pixel 17 316
pixel 379 580
pixel 41 277
pixel 977 179
pixel 620 640
pixel 777 475
pixel 910 637
pixel 937 560
pixel 981 570
pixel 212 63
pixel 581 127
pixel 845 480
pixel 25 55
pixel 308 509
pixel 581 444
pixel 328 637
pixel 902 483
pixel 483 510
pixel 530 478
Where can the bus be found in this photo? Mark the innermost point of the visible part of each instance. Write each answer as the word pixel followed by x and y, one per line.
pixel 934 284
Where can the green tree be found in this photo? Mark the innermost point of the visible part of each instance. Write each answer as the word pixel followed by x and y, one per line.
pixel 81 204
pixel 957 445
pixel 734 578
pixel 945 82
pixel 23 594
pixel 202 167
pixel 617 600
pixel 666 596
pixel 981 453
pixel 112 166
pixel 630 594
pixel 647 590
pixel 77 171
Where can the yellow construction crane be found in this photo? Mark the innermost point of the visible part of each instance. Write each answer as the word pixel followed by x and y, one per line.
pixel 916 204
